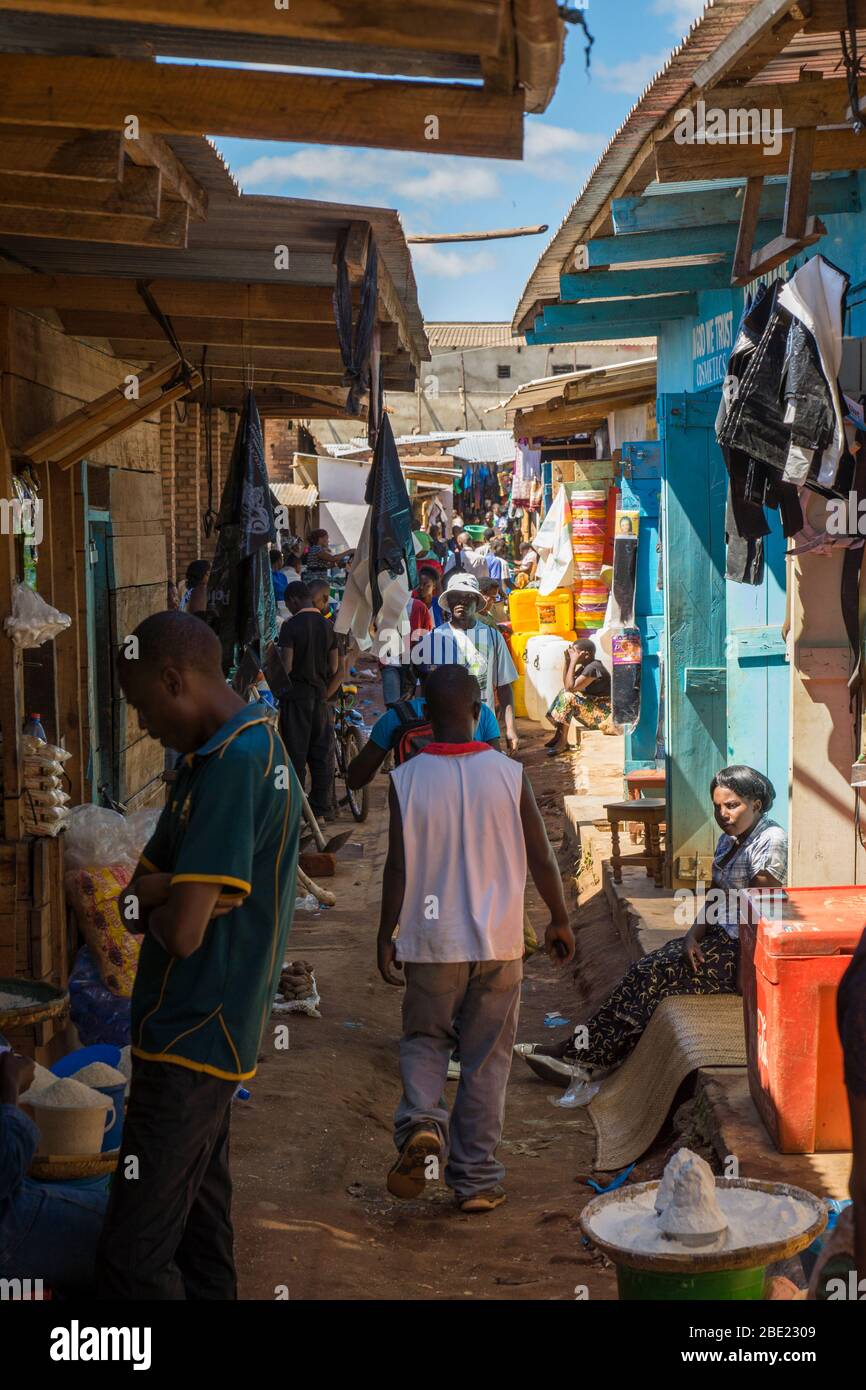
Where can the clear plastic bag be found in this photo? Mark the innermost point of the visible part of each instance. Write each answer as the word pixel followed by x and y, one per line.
pixel 98 836
pixel 580 1091
pixel 33 621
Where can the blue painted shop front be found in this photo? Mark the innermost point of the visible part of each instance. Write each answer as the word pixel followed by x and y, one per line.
pixel 728 699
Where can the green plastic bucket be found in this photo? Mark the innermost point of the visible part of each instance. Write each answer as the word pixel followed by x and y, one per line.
pixel 476 532
pixel 728 1285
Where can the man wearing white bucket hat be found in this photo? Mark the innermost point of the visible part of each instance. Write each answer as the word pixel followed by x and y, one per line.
pixel 464 641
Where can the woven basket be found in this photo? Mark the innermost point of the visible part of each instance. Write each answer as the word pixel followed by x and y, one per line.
pixel 685 1032
pixel 51 1003
pixel 66 1167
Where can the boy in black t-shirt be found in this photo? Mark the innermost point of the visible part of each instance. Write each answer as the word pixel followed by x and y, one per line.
pixel 308 647
pixel 585 695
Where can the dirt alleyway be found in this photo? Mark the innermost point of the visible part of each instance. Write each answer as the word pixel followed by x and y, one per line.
pixel 312 1146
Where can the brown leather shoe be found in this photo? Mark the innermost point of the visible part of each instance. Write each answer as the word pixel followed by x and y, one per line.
pixel 408 1177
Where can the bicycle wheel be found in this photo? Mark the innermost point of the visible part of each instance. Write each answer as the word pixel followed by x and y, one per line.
pixel 358 801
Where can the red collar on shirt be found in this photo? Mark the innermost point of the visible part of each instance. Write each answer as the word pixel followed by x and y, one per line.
pixel 456 748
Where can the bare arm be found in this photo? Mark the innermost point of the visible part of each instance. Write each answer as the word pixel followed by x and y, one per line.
pixel 505 697
pixel 363 768
pixel 558 939
pixel 287 656
pixel 393 890
pixel 335 672
pixel 180 925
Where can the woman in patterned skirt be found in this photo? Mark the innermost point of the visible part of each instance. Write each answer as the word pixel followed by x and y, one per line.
pixel 752 852
pixel 584 697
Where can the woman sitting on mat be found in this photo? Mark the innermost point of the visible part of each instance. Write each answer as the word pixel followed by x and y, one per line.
pixel 752 852
pixel 585 694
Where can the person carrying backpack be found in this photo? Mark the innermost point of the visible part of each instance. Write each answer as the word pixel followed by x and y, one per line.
pixel 404 730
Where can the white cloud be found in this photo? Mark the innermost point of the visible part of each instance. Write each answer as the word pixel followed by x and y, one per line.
pixel 450 181
pixel 682 12
pixel 373 176
pixel 447 264
pixel 555 150
pixel 632 75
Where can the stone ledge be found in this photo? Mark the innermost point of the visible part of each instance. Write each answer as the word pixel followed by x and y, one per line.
pixel 734 1127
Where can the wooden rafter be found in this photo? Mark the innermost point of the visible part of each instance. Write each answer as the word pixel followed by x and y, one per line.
pixel 262 333
pixel 100 421
pixel 169 229
pixel 139 195
pixel 184 298
pixel 151 150
pixel 446 26
pixel 835 151
pixel 763 33
pixel 183 99
pixel 69 154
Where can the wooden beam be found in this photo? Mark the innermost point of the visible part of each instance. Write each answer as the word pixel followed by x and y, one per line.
pixel 326 364
pixel 829 16
pixel 779 250
pixel 809 102
pixel 174 393
pixel 168 230
pixel 11 660
pixel 746 232
pixel 439 237
pixel 149 150
pixel 603 332
pixel 311 337
pixel 613 311
pixel 669 211
pixel 444 26
pixel 137 196
pixel 354 246
pixel 184 298
pixel 64 154
pixel 56 439
pixel 608 284
pixel 763 33
pixel 709 240
pixel 183 99
pixel 834 150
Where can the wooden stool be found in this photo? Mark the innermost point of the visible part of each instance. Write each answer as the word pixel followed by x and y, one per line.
pixel 651 813
pixel 645 779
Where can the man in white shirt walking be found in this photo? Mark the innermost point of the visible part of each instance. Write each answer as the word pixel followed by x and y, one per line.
pixel 455 890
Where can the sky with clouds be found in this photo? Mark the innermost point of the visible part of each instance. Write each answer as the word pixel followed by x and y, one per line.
pixel 441 193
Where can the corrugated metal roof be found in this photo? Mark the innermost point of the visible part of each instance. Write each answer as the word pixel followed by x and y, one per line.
pixel 442 336
pixel 484 446
pixel 574 384
pixel 662 95
pixel 295 494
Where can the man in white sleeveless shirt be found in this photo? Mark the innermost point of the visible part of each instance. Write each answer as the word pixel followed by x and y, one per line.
pixel 464 827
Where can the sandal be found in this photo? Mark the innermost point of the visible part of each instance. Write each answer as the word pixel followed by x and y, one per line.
pixel 482 1201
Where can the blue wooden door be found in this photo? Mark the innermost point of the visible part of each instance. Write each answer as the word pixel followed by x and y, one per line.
pixel 640 485
pixel 757 672
pixel 694 494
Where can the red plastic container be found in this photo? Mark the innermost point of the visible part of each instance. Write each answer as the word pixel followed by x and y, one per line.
pixel 793 958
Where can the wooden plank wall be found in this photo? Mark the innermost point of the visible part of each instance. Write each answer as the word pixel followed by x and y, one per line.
pixel 139 589
pixel 51 374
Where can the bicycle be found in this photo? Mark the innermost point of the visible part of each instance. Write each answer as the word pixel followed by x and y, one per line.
pixel 349 743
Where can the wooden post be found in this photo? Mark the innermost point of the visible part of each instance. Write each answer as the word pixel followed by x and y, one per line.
pixel 11 663
pixel 741 272
pixel 66 541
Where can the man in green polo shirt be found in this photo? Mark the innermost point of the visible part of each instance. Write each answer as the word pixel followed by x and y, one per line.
pixel 214 894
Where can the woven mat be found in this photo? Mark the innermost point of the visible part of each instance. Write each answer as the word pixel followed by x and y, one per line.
pixel 684 1033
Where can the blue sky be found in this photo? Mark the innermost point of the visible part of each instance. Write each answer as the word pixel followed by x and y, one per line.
pixel 440 193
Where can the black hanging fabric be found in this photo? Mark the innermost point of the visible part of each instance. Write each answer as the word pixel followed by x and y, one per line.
pixel 391 544
pixel 356 343
pixel 240 597
pixel 624 578
pixel 626 659
pixel 744 557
